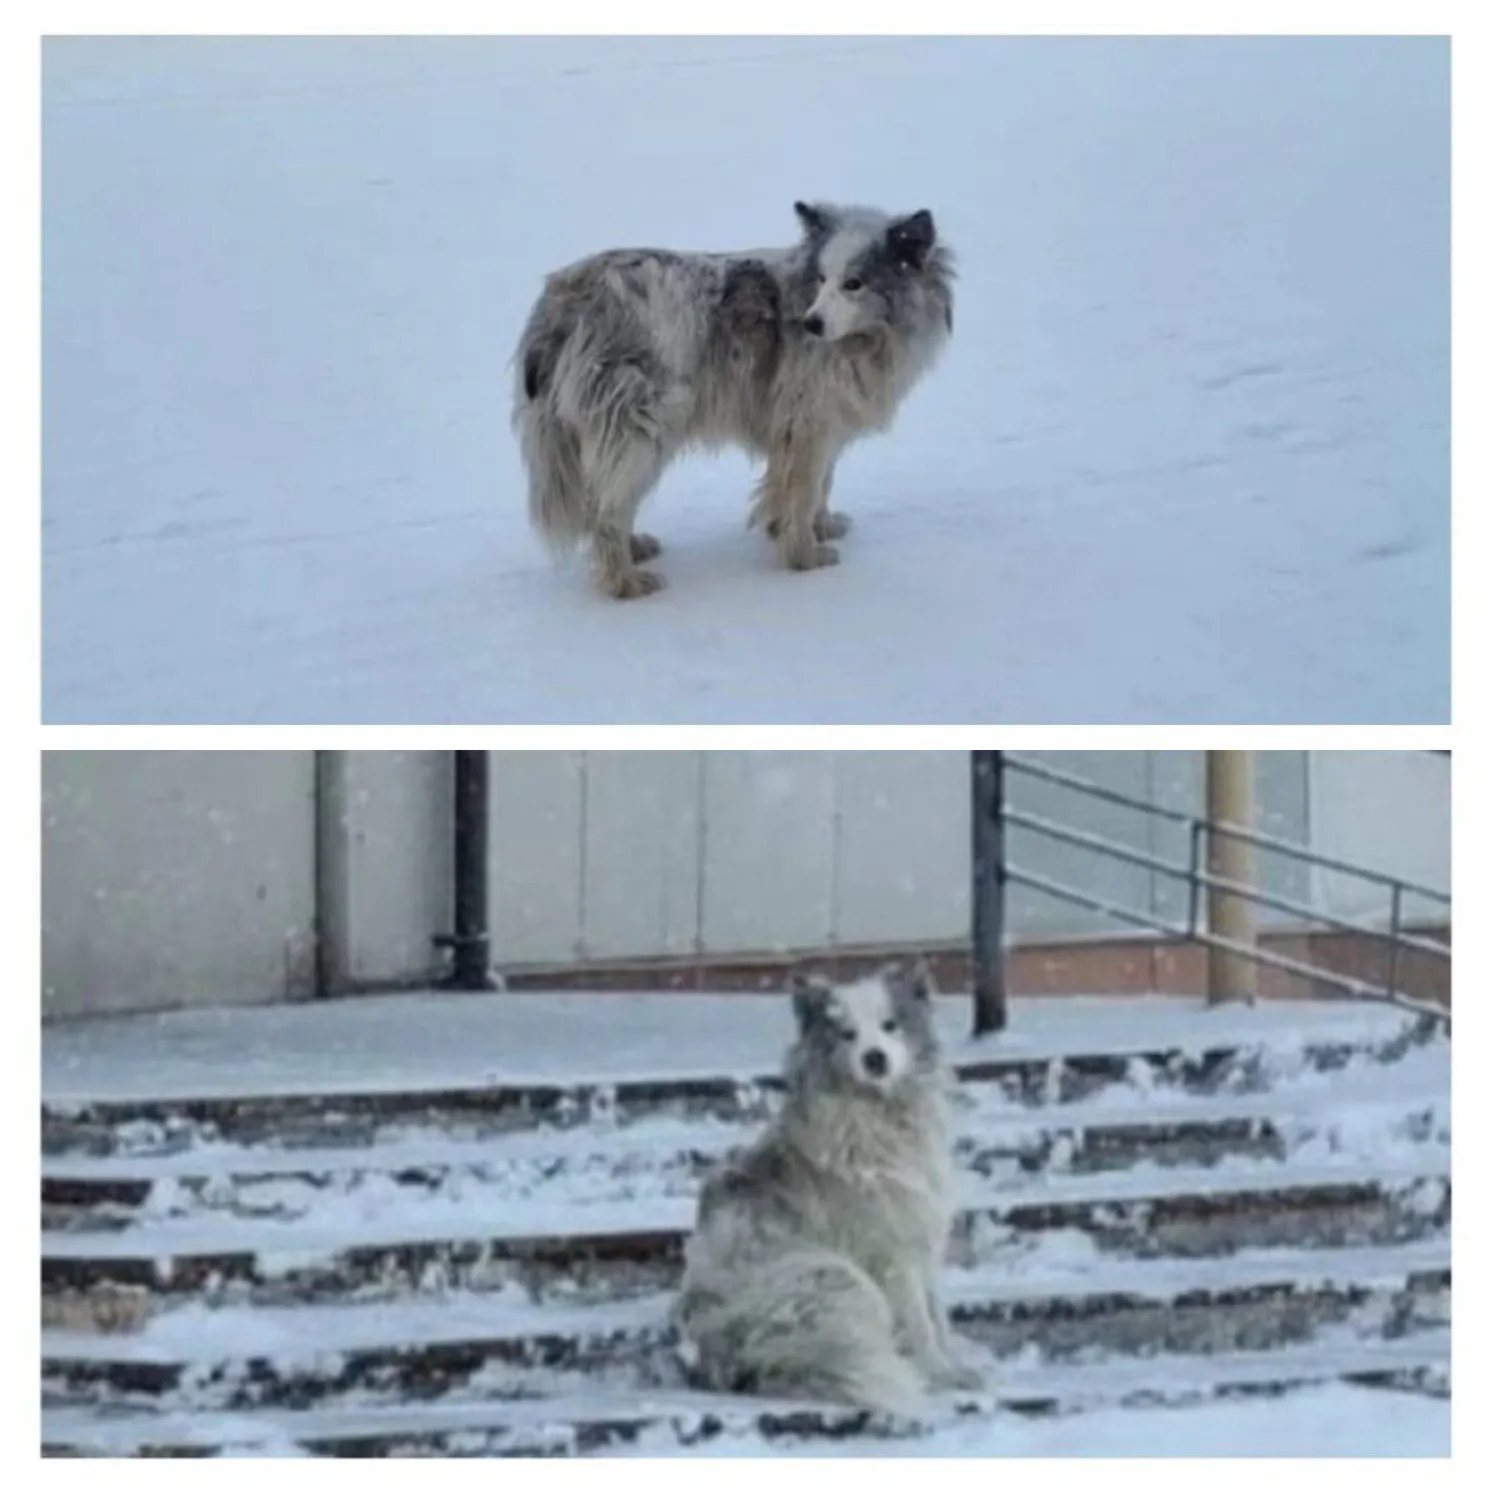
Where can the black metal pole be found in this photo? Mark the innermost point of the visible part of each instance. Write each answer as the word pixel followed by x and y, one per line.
pixel 987 801
pixel 471 873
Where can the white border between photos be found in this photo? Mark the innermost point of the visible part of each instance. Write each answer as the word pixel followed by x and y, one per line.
pixel 1475 832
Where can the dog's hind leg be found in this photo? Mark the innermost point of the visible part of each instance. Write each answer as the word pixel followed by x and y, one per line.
pixel 631 415
pixel 623 463
pixel 829 525
pixel 618 548
pixel 811 1325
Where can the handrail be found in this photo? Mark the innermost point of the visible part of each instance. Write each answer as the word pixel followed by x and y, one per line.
pixel 1224 830
pixel 1323 861
pixel 993 870
pixel 1090 788
pixel 1356 988
pixel 1262 897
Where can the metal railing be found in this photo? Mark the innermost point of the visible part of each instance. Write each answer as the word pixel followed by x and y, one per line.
pixel 995 870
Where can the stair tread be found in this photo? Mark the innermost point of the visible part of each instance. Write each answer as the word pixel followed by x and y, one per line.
pixel 674 1216
pixel 1106 1381
pixel 435 1153
pixel 196 1335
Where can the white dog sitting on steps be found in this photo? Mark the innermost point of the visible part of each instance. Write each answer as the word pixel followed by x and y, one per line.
pixel 813 1270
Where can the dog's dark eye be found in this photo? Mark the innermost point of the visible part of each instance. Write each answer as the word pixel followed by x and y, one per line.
pixel 887 1025
pixel 849 1034
pixel 853 284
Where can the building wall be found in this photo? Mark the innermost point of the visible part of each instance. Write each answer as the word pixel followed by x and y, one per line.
pixel 180 878
pixel 613 855
pixel 1385 811
pixel 648 854
pixel 385 870
pixel 174 877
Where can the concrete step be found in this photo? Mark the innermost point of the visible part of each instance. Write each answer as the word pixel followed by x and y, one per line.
pixel 296 1355
pixel 1194 1210
pixel 608 1419
pixel 317 1098
pixel 1089 1135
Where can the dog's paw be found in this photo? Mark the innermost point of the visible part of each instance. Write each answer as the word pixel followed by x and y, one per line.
pixel 827 526
pixel 907 1422
pixel 643 547
pixel 953 1373
pixel 635 584
pixel 962 1378
pixel 819 555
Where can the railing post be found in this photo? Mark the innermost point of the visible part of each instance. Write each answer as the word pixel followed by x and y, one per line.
pixel 1393 963
pixel 1195 876
pixel 987 821
pixel 1231 800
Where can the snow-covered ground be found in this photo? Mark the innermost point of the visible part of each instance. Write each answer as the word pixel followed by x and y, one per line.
pixel 1187 459
pixel 430 1041
pixel 1328 1422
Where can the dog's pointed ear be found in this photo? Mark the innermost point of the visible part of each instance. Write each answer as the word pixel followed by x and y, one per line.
pixel 911 239
pixel 912 979
pixel 810 997
pixel 815 220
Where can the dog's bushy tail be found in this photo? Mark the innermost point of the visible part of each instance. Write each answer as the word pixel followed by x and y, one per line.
pixel 559 500
pixel 807 1323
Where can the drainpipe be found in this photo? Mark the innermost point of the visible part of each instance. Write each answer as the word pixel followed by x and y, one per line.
pixel 470 939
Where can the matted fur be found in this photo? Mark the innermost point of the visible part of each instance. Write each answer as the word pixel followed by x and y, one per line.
pixel 813 1269
pixel 631 356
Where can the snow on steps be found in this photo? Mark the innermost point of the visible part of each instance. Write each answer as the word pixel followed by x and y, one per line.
pixel 168 1250
pixel 982 1125
pixel 344 1351
pixel 320 1069
pixel 308 1337
pixel 578 1423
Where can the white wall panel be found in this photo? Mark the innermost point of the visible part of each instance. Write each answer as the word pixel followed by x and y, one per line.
pixel 536 856
pixel 768 850
pixel 1388 811
pixel 175 878
pixel 641 819
pixel 386 873
pixel 902 846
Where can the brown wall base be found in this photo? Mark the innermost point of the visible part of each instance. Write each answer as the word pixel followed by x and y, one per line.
pixel 1132 966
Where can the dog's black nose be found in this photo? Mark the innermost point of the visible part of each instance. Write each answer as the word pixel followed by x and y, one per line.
pixel 813 324
pixel 875 1063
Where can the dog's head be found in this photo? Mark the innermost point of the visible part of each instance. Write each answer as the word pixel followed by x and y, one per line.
pixel 863 268
pixel 873 1034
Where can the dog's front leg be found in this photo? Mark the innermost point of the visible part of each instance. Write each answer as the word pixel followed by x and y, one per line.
pixel 956 1374
pixel 792 494
pixel 923 1339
